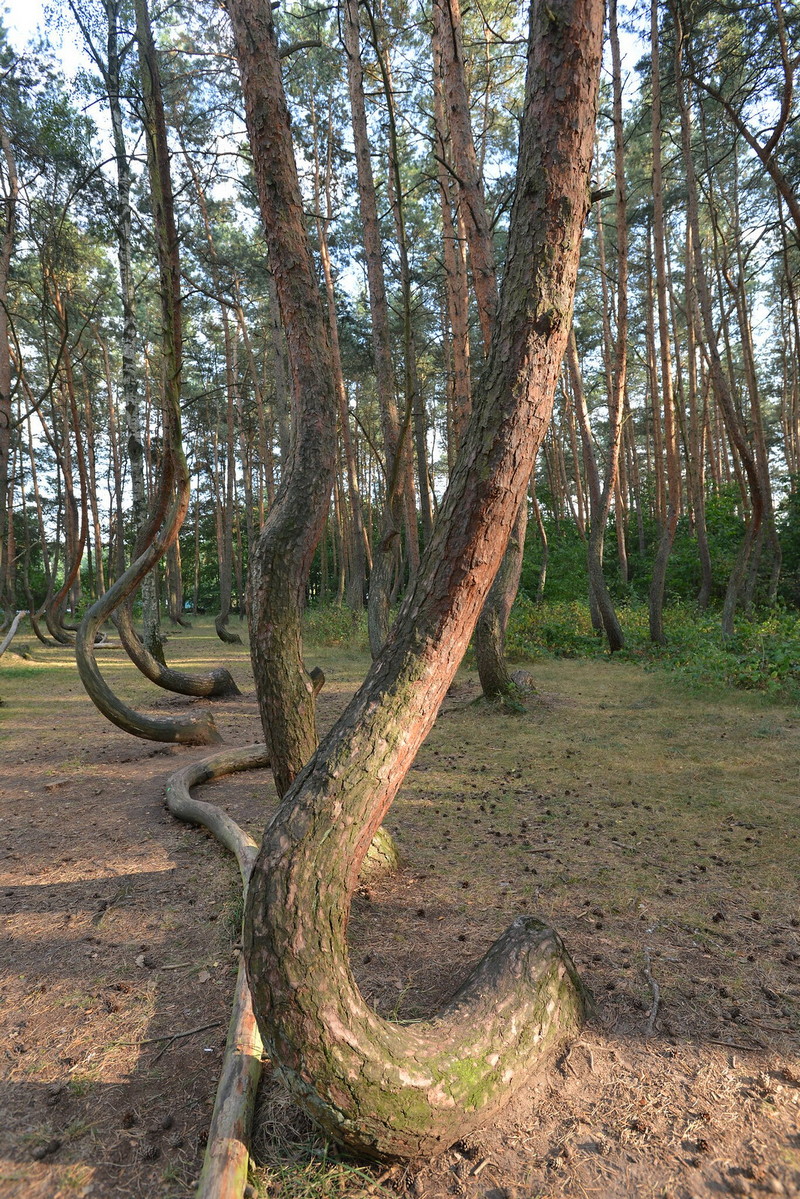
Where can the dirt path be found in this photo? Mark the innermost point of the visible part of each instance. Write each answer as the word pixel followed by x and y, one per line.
pixel 659 831
pixel 117 931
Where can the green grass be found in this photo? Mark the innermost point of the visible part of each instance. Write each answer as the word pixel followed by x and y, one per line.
pixel 763 655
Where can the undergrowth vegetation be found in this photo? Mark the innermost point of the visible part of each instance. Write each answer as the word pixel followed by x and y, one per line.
pixel 763 656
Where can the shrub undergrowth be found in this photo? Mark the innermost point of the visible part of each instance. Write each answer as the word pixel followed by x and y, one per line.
pixel 763 655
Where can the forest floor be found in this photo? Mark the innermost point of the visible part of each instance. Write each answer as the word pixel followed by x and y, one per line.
pixel 657 828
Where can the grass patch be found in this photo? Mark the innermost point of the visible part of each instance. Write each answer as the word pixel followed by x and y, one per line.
pixel 293 1159
pixel 762 656
pixel 331 626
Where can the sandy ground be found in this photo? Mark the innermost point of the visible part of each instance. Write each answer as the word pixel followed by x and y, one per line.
pixel 658 830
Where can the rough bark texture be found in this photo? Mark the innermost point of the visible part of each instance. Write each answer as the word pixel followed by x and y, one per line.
pixel 281 558
pixel 384 1089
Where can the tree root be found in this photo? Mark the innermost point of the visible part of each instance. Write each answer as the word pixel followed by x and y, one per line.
pixel 224 1173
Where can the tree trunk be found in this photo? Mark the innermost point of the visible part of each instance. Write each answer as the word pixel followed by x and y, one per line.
pixel 398 504
pixel 10 198
pixel 385 1089
pixel 226 506
pixel 460 389
pixel 669 519
pixel 490 631
pixel 281 558
pixel 173 495
pixel 719 379
pixel 359 547
pixel 600 601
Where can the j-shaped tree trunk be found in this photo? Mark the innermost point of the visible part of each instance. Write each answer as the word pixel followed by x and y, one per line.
pixel 390 1090
pixel 173 495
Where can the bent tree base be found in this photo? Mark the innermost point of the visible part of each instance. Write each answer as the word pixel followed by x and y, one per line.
pixel 384 1089
pixel 417 1088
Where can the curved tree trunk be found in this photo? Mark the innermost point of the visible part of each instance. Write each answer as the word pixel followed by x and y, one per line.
pixel 173 499
pixel 391 1090
pixel 10 635
pixel 216 684
pixel 281 559
pixel 196 728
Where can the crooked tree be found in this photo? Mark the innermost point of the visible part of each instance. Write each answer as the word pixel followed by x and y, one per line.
pixel 389 1090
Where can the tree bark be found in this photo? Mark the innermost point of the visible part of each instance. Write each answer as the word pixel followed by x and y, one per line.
pixel 384 1089
pixel 399 508
pixel 281 559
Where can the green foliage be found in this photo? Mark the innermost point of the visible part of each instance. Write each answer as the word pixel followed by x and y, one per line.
pixel 336 626
pixel 567 577
pixel 763 656
pixel 789 529
pixel 559 627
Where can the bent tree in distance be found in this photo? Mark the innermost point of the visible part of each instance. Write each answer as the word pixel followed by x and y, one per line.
pixel 384 1089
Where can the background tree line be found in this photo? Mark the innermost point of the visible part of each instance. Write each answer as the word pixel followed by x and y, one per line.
pixel 671 466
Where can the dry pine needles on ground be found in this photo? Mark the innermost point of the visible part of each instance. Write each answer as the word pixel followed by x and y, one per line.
pixel 656 828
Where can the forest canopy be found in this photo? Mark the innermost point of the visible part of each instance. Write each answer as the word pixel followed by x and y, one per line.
pixel 675 433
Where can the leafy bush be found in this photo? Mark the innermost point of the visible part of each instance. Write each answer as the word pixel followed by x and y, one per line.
pixel 327 624
pixel 764 655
